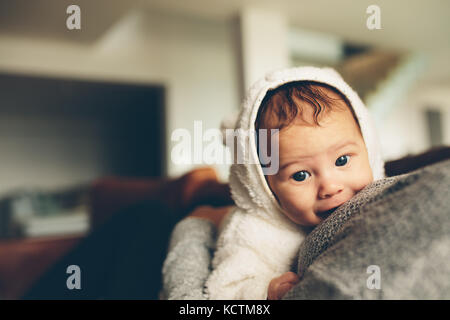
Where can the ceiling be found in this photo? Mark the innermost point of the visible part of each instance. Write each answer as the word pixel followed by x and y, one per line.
pixel 406 24
pixel 47 18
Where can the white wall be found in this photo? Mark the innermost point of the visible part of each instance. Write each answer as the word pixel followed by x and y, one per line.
pixel 264 36
pixel 194 59
pixel 405 129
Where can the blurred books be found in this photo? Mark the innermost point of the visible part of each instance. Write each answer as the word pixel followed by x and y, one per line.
pixel 44 213
pixel 76 222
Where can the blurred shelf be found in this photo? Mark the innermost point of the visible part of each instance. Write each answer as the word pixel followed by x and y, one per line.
pixel 64 224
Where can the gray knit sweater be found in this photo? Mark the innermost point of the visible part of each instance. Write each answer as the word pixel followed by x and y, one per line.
pixel 399 225
pixel 187 265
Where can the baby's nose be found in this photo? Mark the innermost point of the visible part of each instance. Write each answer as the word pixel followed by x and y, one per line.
pixel 329 190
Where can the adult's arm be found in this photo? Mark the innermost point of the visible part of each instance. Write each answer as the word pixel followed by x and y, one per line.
pixel 191 248
pixel 187 265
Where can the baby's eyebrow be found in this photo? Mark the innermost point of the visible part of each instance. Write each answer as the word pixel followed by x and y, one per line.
pixel 342 145
pixel 287 164
pixel 333 148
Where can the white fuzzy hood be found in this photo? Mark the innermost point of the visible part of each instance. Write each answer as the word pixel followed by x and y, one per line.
pixel 249 188
pixel 257 242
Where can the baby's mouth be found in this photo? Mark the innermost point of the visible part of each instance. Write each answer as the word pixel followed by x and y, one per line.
pixel 326 214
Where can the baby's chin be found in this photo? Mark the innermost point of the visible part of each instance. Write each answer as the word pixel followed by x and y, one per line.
pixel 310 219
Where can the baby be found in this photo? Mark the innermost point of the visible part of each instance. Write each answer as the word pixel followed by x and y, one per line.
pixel 323 158
pixel 327 153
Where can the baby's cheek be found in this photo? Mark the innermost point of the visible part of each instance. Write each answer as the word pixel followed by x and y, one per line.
pixel 363 180
pixel 298 209
pixel 297 203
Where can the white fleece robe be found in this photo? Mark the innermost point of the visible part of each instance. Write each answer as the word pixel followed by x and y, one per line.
pixel 258 242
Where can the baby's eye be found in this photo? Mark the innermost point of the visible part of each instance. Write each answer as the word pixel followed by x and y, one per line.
pixel 301 175
pixel 342 160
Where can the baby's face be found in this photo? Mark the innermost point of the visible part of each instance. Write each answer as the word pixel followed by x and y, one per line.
pixel 321 167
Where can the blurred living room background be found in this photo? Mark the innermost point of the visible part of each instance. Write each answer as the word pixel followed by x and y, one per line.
pixel 79 105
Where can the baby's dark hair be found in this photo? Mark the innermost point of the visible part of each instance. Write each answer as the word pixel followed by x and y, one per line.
pixel 281 106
